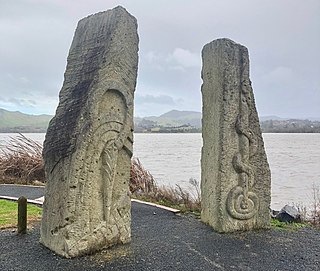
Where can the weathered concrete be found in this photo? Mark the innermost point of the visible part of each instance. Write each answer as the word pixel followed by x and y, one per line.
pixel 235 178
pixel 88 144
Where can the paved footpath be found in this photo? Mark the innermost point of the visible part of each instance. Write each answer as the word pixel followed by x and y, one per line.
pixel 162 240
pixel 13 190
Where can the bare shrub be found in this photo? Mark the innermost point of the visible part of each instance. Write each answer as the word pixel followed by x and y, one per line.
pixel 311 214
pixel 302 209
pixel 21 160
pixel 141 181
pixel 196 185
pixel 315 209
pixel 166 195
pixel 144 186
pixel 176 197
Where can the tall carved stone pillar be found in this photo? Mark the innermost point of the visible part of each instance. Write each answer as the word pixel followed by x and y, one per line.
pixel 88 144
pixel 235 177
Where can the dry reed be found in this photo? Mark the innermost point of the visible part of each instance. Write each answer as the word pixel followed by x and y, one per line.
pixel 315 209
pixel 177 197
pixel 143 186
pixel 310 214
pixel 21 160
pixel 141 181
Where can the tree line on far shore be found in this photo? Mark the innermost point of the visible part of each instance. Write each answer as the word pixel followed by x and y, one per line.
pixel 174 121
pixel 267 126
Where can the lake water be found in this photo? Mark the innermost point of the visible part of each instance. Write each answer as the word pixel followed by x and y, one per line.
pixel 294 161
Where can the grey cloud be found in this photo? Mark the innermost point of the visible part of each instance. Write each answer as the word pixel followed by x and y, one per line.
pixel 150 99
pixel 22 102
pixel 282 38
pixel 184 58
pixel 179 59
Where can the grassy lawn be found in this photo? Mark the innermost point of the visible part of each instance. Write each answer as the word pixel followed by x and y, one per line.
pixel 9 213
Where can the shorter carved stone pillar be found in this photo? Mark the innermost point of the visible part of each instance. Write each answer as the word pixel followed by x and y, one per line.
pixel 235 178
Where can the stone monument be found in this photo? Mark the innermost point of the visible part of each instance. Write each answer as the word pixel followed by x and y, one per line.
pixel 235 175
pixel 88 145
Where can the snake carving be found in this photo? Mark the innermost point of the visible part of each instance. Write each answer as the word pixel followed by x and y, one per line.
pixel 242 202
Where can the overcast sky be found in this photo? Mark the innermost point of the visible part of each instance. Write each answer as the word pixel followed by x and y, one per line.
pixel 283 38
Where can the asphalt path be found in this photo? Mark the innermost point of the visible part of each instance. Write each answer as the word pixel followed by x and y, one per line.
pixel 30 192
pixel 162 240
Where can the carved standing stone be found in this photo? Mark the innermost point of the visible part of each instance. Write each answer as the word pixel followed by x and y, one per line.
pixel 88 144
pixel 235 178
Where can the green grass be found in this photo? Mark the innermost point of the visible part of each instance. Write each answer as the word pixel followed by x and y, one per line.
pixel 9 213
pixel 276 224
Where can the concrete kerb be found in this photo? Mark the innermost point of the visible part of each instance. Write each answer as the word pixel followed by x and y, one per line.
pixel 40 201
pixel 157 205
pixel 36 202
pixel 23 185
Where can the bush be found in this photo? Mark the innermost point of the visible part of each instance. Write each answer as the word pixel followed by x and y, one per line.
pixel 141 181
pixel 144 187
pixel 178 198
pixel 21 161
pixel 315 210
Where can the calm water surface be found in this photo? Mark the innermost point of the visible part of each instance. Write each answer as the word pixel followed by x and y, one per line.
pixel 294 161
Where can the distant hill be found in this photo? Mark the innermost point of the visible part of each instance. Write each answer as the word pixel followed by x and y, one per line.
pixel 174 121
pixel 17 122
pixel 177 118
pixel 176 114
pixel 190 121
pixel 290 126
pixel 264 118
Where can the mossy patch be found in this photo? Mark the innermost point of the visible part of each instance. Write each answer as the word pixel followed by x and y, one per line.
pixel 278 225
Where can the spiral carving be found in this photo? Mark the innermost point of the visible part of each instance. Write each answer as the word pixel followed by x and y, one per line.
pixel 242 205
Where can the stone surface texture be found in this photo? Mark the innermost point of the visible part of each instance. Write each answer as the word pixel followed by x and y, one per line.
pixel 88 144
pixel 235 175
